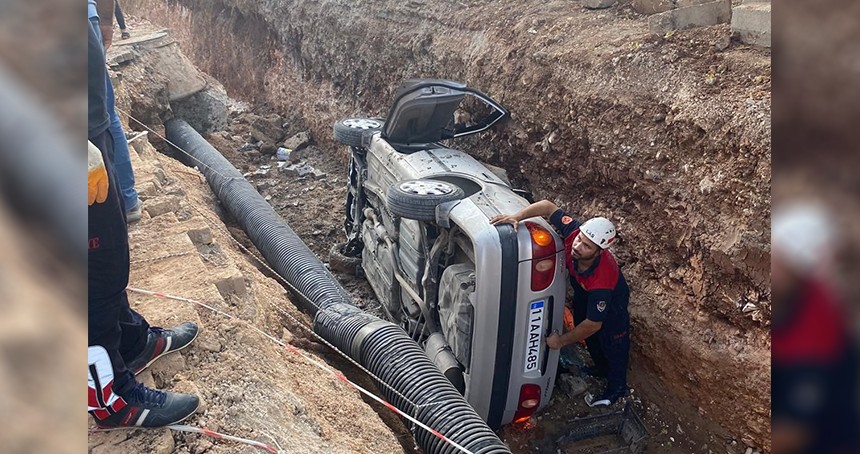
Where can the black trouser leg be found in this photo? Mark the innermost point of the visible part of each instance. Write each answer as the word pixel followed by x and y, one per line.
pixel 595 349
pixel 616 350
pixel 120 19
pixel 111 322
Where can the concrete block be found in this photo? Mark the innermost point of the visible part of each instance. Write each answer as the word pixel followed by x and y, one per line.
pixel 711 13
pixel 658 6
pixel 598 4
pixel 271 125
pixel 301 140
pixel 751 23
pixel 160 176
pixel 318 174
pixel 652 6
pixel 200 236
pixel 168 205
pixel 686 3
pixel 148 189
pixel 232 286
pixel 298 170
pixel 119 57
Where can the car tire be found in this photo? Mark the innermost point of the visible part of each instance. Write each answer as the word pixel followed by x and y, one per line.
pixel 339 262
pixel 351 131
pixel 417 199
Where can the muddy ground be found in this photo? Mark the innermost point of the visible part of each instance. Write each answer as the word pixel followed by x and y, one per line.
pixel 668 135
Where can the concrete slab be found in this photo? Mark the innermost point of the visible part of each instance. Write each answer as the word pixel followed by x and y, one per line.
pixel 598 4
pixel 120 57
pixel 205 111
pixel 658 6
pixel 652 6
pixel 751 23
pixel 711 13
pixel 151 39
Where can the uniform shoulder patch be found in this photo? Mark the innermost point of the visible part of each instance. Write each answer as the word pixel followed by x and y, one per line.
pixel 566 220
pixel 601 306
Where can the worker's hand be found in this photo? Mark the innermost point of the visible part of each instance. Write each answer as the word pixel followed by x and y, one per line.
pixel 505 219
pixel 97 177
pixel 554 341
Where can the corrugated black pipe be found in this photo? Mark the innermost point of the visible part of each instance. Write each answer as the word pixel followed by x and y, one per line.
pixel 378 345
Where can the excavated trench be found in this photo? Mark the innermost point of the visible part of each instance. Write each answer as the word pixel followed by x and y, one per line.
pixel 667 135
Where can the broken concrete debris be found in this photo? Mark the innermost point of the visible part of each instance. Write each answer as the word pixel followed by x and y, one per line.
pixel 298 145
pixel 248 146
pixel 168 205
pixel 271 126
pixel 302 171
pixel 751 23
pixel 711 13
pixel 598 4
pixel 298 141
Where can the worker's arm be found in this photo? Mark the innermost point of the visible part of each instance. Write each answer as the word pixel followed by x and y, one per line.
pixel 580 332
pixel 105 9
pixel 542 208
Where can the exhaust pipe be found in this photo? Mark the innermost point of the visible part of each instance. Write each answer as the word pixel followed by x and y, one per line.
pixel 380 346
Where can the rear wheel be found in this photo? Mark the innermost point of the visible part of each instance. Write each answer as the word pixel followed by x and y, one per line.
pixel 351 131
pixel 417 199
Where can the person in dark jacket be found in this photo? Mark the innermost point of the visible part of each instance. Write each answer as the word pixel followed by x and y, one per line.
pixel 600 295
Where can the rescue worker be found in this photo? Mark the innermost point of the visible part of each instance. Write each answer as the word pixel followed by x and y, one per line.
pixel 814 357
pixel 600 295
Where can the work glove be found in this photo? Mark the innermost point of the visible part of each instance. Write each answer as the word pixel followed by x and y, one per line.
pixel 97 177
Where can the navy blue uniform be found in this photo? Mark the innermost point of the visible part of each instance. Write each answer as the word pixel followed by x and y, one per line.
pixel 600 294
pixel 815 370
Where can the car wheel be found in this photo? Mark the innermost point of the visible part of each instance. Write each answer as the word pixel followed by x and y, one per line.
pixel 417 199
pixel 350 131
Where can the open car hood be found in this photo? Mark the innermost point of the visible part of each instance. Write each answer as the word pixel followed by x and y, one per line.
pixel 423 112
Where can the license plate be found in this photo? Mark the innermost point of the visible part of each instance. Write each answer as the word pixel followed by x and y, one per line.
pixel 533 340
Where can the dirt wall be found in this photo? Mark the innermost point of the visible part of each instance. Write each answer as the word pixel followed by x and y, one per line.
pixel 667 135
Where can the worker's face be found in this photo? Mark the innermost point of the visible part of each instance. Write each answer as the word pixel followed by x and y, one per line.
pixel 582 248
pixel 783 279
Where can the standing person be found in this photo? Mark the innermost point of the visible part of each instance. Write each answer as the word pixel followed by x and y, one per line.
pixel 101 15
pixel 814 357
pixel 600 295
pixel 120 341
pixel 120 20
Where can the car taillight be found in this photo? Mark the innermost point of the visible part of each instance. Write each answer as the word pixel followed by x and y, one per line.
pixel 528 402
pixel 543 256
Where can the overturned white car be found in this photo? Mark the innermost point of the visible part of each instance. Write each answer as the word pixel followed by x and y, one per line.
pixel 479 298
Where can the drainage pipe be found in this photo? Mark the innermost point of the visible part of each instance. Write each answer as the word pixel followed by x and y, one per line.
pixel 380 346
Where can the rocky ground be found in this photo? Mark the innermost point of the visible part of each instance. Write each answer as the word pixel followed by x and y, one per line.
pixel 668 135
pixel 249 385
